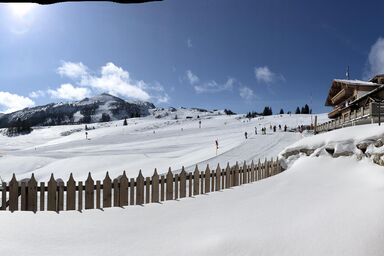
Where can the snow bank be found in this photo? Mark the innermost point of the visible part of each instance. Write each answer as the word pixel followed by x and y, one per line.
pixel 364 140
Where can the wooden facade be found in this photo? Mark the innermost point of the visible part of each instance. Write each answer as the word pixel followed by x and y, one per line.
pixel 349 96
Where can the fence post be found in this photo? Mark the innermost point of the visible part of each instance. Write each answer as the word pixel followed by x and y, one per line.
pixel 60 195
pixel 4 196
pixel 140 189
pixel 147 189
pixel 155 187
pixel 32 194
pixel 169 189
pixel 132 191
pixel 23 196
pixel 107 191
pixel 190 184
pixel 13 194
pixel 227 176
pixel 98 194
pixel 196 181
pixel 218 177
pixel 42 196
pixel 80 197
pixel 206 176
pixel 71 193
pixel 176 186
pixel 266 169
pixel 252 172
pixel 162 185
pixel 123 189
pixel 89 192
pixel 245 173
pixel 183 183
pixel 202 182
pixel 236 172
pixel 52 194
pixel 116 193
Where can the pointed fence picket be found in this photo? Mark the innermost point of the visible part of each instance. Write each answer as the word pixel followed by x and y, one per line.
pixel 29 195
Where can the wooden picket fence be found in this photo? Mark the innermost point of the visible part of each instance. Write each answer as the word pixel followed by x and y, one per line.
pixel 29 195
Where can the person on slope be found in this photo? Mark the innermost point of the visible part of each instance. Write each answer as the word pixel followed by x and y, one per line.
pixel 246 135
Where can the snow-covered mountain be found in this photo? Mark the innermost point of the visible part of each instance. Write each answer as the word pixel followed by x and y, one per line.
pixel 103 107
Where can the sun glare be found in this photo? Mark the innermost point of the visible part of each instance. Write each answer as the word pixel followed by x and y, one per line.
pixel 21 9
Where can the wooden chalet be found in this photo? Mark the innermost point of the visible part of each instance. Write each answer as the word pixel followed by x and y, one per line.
pixel 355 102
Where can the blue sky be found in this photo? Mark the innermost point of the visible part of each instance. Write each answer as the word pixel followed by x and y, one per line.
pixel 212 54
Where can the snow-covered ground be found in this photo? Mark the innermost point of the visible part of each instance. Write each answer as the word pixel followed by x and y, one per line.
pixel 321 205
pixel 146 143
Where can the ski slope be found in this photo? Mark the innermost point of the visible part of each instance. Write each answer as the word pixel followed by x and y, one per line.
pixel 145 144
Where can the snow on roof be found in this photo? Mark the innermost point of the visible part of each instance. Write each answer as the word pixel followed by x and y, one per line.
pixel 356 82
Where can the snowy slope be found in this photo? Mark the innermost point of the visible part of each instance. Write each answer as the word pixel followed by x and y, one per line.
pixel 146 143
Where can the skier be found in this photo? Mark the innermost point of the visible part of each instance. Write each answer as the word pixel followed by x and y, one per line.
pixel 246 135
pixel 274 128
pixel 280 127
pixel 285 128
pixel 199 123
pixel 86 135
pixel 255 130
pixel 217 145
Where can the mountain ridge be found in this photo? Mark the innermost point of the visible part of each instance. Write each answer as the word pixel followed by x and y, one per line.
pixel 100 108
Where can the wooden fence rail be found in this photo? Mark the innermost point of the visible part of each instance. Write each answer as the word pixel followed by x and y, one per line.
pixel 56 195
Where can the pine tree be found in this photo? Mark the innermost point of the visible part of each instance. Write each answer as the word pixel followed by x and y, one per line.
pixel 306 109
pixel 297 110
pixel 281 111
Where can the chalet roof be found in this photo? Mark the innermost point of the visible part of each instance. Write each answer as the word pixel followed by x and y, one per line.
pixel 339 84
pixel 355 82
pixel 378 89
pixel 377 79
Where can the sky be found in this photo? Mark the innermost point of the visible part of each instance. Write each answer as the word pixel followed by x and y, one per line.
pixel 213 54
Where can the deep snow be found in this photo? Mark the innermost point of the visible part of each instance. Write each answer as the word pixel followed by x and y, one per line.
pixel 320 206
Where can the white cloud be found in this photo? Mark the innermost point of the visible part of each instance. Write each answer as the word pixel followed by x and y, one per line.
pixel 210 86
pixel 213 86
pixel 117 81
pixel 375 59
pixel 264 74
pixel 192 78
pixel 246 93
pixel 13 102
pixel 164 98
pixel 113 80
pixel 72 70
pixel 37 94
pixel 69 92
pixel 189 43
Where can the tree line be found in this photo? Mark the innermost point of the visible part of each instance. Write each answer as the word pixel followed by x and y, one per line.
pixel 268 111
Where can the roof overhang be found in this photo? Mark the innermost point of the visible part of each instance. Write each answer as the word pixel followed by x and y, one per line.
pixel 342 89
